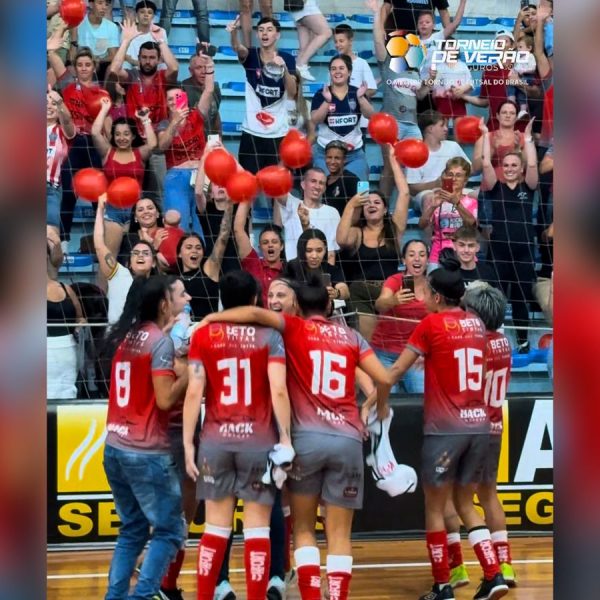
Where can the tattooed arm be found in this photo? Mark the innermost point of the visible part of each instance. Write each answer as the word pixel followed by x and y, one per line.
pixel 191 414
pixel 106 260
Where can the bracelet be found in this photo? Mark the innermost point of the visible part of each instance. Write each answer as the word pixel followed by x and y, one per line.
pixel 529 139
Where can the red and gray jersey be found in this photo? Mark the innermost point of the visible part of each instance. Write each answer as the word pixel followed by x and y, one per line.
pixel 238 394
pixel 497 376
pixel 134 420
pixel 322 357
pixel 454 345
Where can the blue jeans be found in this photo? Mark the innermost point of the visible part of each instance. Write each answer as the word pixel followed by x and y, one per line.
pixel 179 195
pixel 409 130
pixel 53 200
pixel 121 216
pixel 356 162
pixel 147 495
pixel 413 381
pixel 200 11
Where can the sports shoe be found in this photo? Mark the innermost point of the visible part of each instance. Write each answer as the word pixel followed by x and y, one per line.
pixel 176 594
pixel 522 114
pixel 276 589
pixel 439 593
pixel 304 72
pixel 459 576
pixel 224 591
pixel 509 574
pixel 523 348
pixel 491 589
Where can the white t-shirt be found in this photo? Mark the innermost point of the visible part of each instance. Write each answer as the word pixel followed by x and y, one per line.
pixel 431 44
pixel 326 218
pixel 361 71
pixel 436 163
pixel 456 75
pixel 118 288
pixel 98 38
pixel 133 49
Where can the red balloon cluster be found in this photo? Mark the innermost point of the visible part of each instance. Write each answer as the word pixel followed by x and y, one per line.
pixel 219 166
pixel 295 150
pixel 242 187
pixel 124 192
pixel 72 12
pixel 383 128
pixel 411 153
pixel 275 181
pixel 89 184
pixel 93 99
pixel 466 129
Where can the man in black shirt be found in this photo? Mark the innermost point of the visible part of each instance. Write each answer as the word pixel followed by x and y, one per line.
pixel 404 14
pixel 466 247
pixel 341 184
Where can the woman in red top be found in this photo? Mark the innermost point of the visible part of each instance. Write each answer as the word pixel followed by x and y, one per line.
pixel 402 300
pixel 504 140
pixel 124 155
pixel 182 139
pixel 79 92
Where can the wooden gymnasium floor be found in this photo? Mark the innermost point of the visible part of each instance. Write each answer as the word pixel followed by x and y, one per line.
pixel 383 570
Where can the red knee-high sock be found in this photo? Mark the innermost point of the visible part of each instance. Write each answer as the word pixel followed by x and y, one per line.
pixel 287 520
pixel 437 547
pixel 211 551
pixel 169 581
pixel 455 556
pixel 257 560
pixel 339 574
pixel 480 539
pixel 308 563
pixel 501 546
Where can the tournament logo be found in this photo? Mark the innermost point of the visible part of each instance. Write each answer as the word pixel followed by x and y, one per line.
pixel 406 51
pixel 352 104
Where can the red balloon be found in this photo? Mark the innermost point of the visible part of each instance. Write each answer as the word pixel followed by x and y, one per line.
pixel 242 187
pixel 466 129
pixel 275 181
pixel 89 184
pixel 295 150
pixel 93 99
pixel 219 166
pixel 545 340
pixel 411 153
pixel 383 128
pixel 72 12
pixel 124 192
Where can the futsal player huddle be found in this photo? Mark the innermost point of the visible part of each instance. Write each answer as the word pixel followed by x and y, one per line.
pixel 280 405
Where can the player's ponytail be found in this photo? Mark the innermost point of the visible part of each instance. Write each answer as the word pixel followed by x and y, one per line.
pixel 448 281
pixel 313 298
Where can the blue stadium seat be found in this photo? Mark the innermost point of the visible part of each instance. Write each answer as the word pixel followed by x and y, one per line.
pixel 231 127
pixel 79 263
pixel 505 22
pixel 236 86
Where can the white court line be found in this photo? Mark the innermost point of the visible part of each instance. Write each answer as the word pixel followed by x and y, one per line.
pixel 537 561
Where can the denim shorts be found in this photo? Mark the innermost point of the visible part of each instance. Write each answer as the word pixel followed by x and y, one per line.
pixel 122 216
pixel 53 200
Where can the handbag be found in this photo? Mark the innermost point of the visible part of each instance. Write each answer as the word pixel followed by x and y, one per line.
pixel 293 5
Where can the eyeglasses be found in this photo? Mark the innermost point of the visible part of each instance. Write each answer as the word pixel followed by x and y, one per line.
pixel 144 253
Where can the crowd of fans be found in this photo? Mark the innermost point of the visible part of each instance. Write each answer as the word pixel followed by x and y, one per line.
pixel 118 101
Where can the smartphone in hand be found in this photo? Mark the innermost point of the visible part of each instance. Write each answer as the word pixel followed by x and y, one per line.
pixel 447 184
pixel 326 279
pixel 181 101
pixel 362 187
pixel 408 283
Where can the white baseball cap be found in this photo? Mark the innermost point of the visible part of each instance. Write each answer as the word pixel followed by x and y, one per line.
pixel 505 33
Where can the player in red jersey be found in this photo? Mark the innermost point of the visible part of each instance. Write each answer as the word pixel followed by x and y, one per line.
pixel 138 463
pixel 242 369
pixel 456 426
pixel 327 430
pixel 490 305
